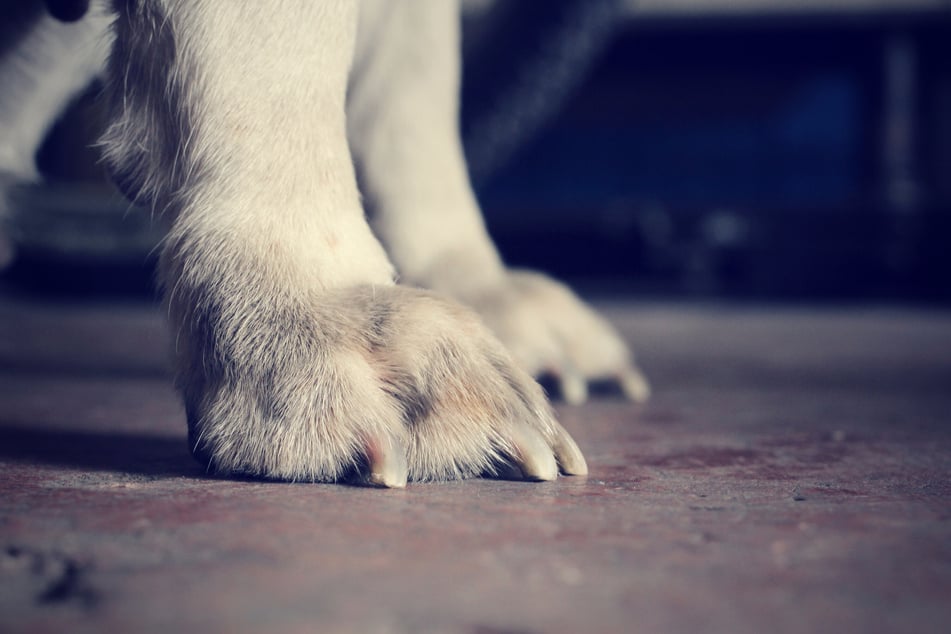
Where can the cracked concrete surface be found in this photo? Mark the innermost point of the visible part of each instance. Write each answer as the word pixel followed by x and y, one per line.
pixel 792 474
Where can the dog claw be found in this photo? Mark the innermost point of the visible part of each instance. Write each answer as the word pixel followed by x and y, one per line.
pixel 569 456
pixel 573 387
pixel 532 455
pixel 387 463
pixel 634 386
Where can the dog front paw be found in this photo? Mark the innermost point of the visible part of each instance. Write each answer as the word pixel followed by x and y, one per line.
pixel 380 383
pixel 551 332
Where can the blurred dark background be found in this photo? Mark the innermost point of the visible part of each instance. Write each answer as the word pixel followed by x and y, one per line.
pixel 753 149
pixel 762 149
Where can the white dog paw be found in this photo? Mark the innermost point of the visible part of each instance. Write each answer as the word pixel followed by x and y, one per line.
pixel 384 384
pixel 551 332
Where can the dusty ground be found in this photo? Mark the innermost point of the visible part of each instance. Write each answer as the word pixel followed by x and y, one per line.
pixel 792 474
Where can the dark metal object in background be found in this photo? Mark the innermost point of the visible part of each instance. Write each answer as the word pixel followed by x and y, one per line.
pixel 749 153
pixel 522 63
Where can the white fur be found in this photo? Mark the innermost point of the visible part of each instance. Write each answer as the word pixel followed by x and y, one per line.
pixel 52 62
pixel 298 357
pixel 403 123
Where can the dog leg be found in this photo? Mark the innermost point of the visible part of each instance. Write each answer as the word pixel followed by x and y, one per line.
pixel 297 356
pixel 403 125
pixel 47 64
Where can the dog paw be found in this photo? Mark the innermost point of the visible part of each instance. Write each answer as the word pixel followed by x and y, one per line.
pixel 552 333
pixel 380 383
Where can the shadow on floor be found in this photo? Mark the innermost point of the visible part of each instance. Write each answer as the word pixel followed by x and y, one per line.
pixel 141 454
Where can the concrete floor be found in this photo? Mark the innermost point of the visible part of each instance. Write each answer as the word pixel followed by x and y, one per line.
pixel 792 474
